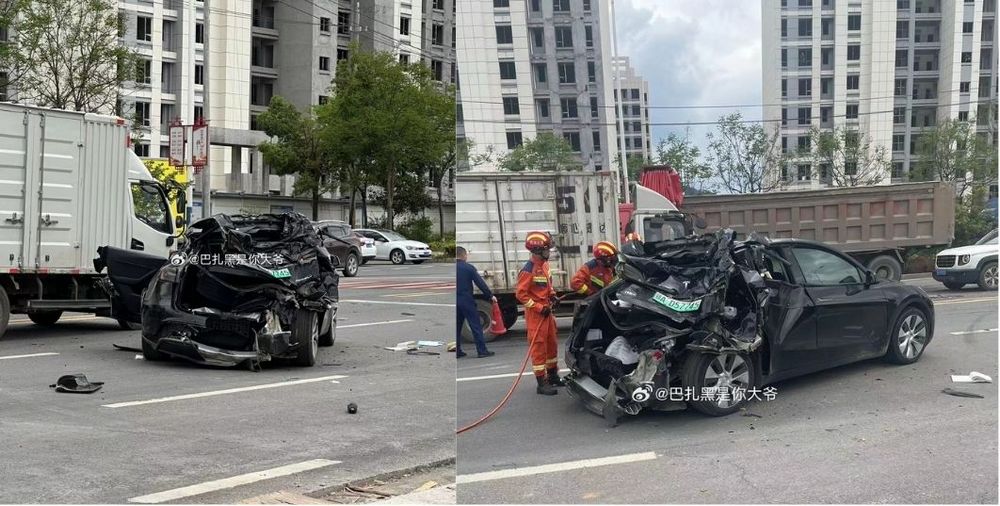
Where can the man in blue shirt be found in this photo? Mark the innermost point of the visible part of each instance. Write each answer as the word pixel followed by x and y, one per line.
pixel 465 303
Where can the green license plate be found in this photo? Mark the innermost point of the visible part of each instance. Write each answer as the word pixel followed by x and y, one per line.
pixel 281 273
pixel 677 305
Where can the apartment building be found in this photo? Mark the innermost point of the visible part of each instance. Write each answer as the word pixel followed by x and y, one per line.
pixel 531 66
pixel 893 69
pixel 633 93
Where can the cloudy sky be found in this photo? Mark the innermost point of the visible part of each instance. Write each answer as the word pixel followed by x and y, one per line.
pixel 693 52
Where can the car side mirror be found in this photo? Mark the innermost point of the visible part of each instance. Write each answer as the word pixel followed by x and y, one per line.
pixel 870 278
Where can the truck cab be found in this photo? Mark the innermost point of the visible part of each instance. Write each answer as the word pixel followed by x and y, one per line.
pixel 152 225
pixel 654 217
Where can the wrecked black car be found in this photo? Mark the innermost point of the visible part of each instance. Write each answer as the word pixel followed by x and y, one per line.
pixel 240 290
pixel 703 320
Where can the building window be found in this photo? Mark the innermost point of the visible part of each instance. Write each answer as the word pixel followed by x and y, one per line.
pixel 324 63
pixel 567 73
pixel 805 27
pixel 564 37
pixel 784 88
pixel 964 86
pixel 536 5
pixel 199 74
pixel 404 58
pixel 505 34
pixel 852 111
pixel 899 88
pixel 784 116
pixel 574 140
pixel 538 37
pixel 898 143
pixel 853 52
pixel 343 23
pixel 826 26
pixel 199 33
pixel 898 115
pixel 805 115
pixel 803 144
pixel 597 140
pixel 636 111
pixel 985 59
pixel 784 144
pixel 514 140
pixel 825 85
pixel 784 27
pixel 542 107
pixel 588 33
pixel 902 29
pixel 404 25
pixel 437 69
pixel 784 58
pixel 805 3
pixel 967 27
pixel 902 58
pixel 437 34
pixel 854 22
pixel 850 168
pixel 903 5
pixel 805 87
pixel 144 29
pixel 142 149
pixel 804 172
pixel 324 25
pixel 568 107
pixel 511 106
pixel 591 72
pixel 541 75
pixel 501 4
pixel 143 69
pixel 967 57
pixel 805 57
pixel 438 5
pixel 322 99
pixel 142 113
pixel 594 112
pixel 560 5
pixel 508 70
pixel 342 54
pixel 854 82
pixel 826 56
pixel 963 115
pixel 824 114
pixel 199 112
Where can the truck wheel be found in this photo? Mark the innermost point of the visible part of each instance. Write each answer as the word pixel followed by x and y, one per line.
pixel 886 267
pixel 4 311
pixel 724 372
pixel 149 352
pixel 45 318
pixel 485 310
pixel 305 331
pixel 951 285
pixel 988 276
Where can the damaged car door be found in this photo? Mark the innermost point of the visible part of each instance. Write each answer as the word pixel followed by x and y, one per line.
pixel 129 273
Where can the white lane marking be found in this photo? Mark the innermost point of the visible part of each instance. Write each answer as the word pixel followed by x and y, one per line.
pixel 497 376
pixel 965 332
pixel 235 481
pixel 222 392
pixel 400 303
pixel 554 468
pixel 49 354
pixel 372 323
pixel 950 302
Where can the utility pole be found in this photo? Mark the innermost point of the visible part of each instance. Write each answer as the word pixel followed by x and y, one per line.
pixel 205 181
pixel 620 120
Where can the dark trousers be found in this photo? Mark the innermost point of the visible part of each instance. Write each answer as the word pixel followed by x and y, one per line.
pixel 466 311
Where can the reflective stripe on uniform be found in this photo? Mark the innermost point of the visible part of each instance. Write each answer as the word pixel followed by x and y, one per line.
pixel 530 303
pixel 537 368
pixel 551 361
pixel 540 279
pixel 583 289
pixel 597 281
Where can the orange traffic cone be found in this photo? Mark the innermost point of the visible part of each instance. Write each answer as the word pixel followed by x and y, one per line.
pixel 497 328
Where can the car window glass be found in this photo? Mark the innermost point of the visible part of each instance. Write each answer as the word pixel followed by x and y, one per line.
pixel 778 270
pixel 990 238
pixel 151 206
pixel 823 268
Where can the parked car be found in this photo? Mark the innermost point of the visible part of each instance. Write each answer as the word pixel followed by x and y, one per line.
pixel 977 263
pixel 722 316
pixel 394 247
pixel 342 243
pixel 368 249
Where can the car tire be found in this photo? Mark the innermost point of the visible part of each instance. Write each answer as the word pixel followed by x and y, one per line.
pixel 988 276
pixel 4 311
pixel 417 262
pixel 953 285
pixel 908 337
pixel 351 265
pixel 397 257
pixel 485 310
pixel 149 352
pixel 741 372
pixel 327 338
pixel 305 331
pixel 45 318
pixel 124 324
pixel 886 267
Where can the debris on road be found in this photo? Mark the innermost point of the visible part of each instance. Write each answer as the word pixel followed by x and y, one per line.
pixel 284 497
pixel 418 346
pixel 120 347
pixel 961 393
pixel 76 384
pixel 972 377
pixel 352 408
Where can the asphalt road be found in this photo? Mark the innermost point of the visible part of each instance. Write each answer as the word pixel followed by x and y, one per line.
pixel 863 433
pixel 67 448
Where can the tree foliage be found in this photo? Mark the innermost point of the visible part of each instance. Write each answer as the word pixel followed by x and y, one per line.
pixel 953 152
pixel 849 157
pixel 66 54
pixel 684 157
pixel 546 152
pixel 744 157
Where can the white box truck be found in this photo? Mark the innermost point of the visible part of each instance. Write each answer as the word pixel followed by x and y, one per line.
pixel 68 184
pixel 495 211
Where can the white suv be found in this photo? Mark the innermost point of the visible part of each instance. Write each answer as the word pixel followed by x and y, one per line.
pixel 957 267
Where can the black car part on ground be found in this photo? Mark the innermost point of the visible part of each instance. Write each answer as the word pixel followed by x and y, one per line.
pixel 242 289
pixel 697 294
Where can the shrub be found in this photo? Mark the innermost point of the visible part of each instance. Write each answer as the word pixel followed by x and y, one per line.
pixel 418 229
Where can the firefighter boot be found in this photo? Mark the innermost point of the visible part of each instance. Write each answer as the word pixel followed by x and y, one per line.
pixel 544 388
pixel 554 378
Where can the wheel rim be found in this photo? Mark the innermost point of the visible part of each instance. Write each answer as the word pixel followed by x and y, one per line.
pixel 883 273
pixel 397 257
pixel 990 276
pixel 727 373
pixel 352 264
pixel 912 336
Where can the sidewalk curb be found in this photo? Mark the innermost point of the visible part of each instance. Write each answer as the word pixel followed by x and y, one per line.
pixel 443 494
pixel 326 490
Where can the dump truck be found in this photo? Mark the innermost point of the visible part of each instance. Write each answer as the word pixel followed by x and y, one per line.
pixel 495 211
pixel 69 184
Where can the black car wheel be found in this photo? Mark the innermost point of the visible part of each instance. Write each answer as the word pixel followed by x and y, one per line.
pixel 908 338
pixel 952 285
pixel 718 377
pixel 330 335
pixel 397 257
pixel 988 276
pixel 351 265
pixel 305 331
pixel 45 318
pixel 149 352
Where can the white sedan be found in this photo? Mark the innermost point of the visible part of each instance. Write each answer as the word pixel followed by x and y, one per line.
pixel 393 247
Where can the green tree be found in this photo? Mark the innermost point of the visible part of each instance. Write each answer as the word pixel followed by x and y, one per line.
pixel 683 156
pixel 847 157
pixel 744 157
pixel 67 54
pixel 389 118
pixel 467 158
pixel 297 148
pixel 953 152
pixel 546 152
pixel 438 174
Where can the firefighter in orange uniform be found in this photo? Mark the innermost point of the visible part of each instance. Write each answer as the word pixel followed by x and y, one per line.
pixel 535 292
pixel 594 275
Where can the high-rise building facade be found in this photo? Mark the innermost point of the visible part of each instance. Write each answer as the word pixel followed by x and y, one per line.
pixel 633 93
pixel 892 69
pixel 531 66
